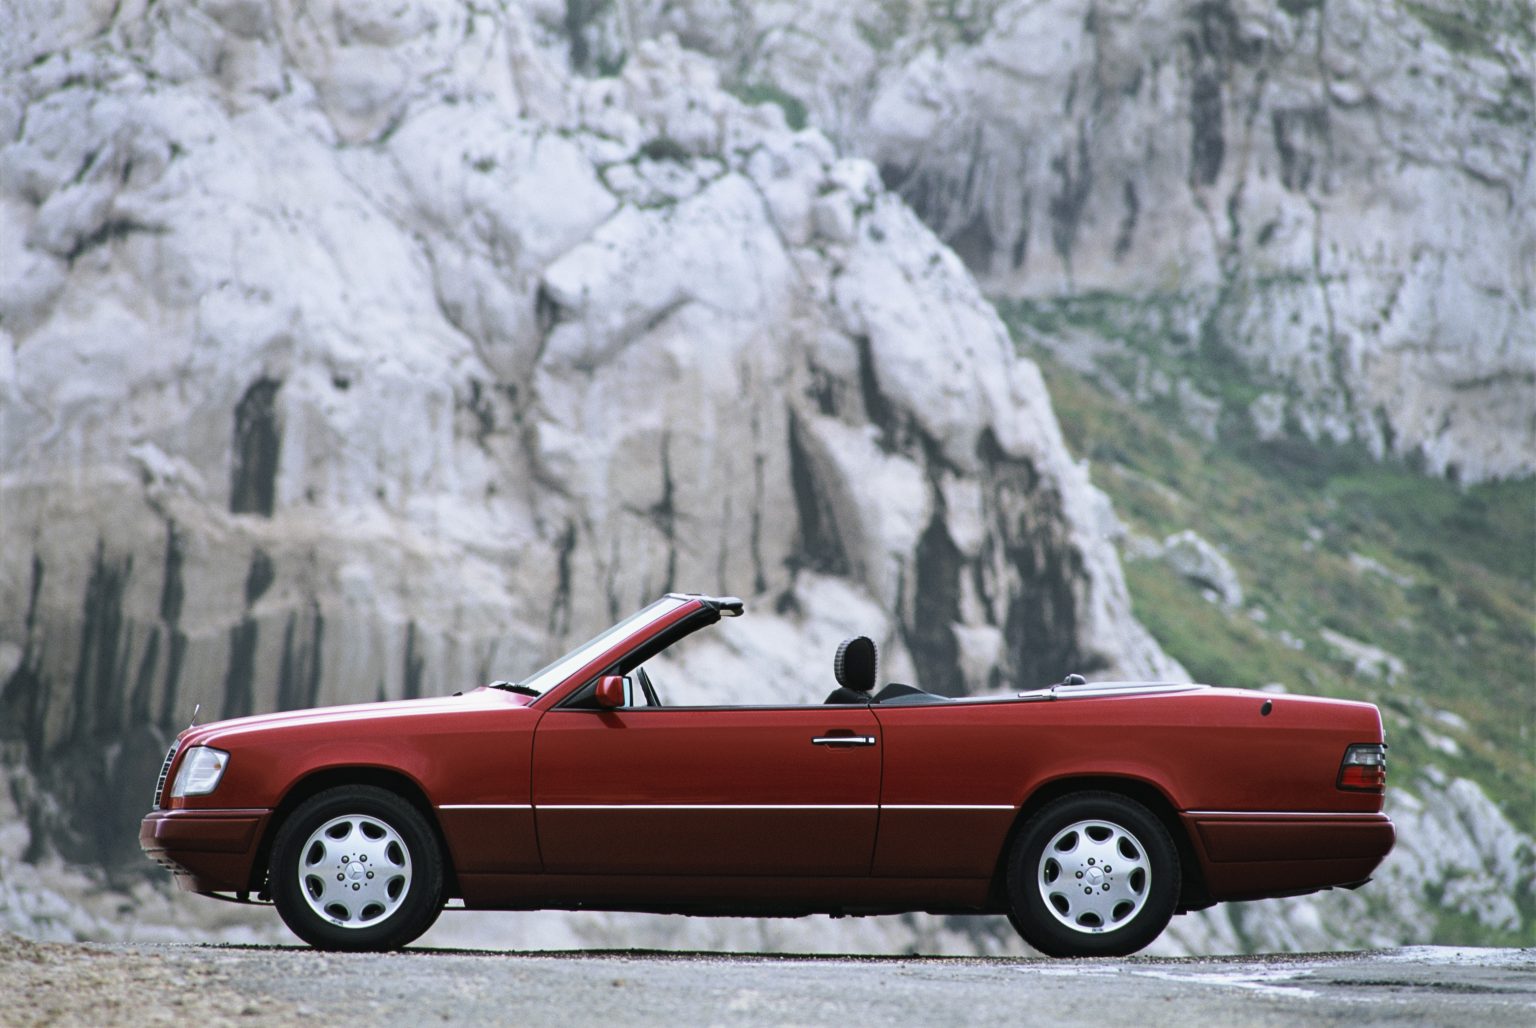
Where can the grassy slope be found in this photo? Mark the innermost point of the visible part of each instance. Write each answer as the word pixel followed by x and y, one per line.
pixel 1322 538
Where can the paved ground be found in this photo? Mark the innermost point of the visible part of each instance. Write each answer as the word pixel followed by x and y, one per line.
pixel 145 984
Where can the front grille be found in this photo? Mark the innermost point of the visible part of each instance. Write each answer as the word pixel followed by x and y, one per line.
pixel 165 769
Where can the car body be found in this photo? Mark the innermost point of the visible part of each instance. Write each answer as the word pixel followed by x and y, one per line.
pixel 578 790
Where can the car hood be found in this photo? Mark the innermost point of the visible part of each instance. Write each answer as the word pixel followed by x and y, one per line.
pixel 483 697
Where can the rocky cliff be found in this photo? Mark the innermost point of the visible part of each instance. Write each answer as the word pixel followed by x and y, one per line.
pixel 363 349
pixel 359 350
pixel 1338 197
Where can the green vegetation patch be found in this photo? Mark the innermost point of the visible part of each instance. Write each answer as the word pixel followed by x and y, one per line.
pixel 664 148
pixel 1516 104
pixel 1169 334
pixel 767 93
pixel 1298 8
pixel 1476 26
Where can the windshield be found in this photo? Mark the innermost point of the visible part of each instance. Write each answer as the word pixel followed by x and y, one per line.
pixel 552 675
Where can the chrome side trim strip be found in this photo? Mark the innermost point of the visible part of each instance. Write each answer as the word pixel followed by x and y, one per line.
pixel 732 806
pixel 946 806
pixel 1305 814
pixel 485 806
pixel 774 806
pixel 708 806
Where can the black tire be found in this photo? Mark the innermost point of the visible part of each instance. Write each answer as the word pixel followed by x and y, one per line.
pixel 357 868
pixel 1119 910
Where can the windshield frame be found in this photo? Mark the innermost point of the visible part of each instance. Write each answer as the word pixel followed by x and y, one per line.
pixel 560 669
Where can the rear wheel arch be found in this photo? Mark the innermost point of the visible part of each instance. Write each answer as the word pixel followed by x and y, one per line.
pixel 1093 874
pixel 1193 892
pixel 319 781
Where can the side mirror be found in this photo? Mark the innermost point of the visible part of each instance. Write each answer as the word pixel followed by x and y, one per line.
pixel 610 692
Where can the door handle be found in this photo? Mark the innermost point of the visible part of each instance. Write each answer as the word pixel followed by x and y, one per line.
pixel 843 740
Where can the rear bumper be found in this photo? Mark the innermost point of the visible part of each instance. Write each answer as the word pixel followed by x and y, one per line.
pixel 207 850
pixel 1253 855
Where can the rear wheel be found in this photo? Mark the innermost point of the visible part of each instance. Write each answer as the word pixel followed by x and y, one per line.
pixel 1092 874
pixel 357 868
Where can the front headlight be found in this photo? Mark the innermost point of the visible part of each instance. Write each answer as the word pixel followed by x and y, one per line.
pixel 200 771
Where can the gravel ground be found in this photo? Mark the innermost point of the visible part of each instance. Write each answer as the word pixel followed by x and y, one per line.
pixel 83 984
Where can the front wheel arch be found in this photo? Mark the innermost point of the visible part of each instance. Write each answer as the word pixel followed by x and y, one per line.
pixel 357 867
pixel 317 782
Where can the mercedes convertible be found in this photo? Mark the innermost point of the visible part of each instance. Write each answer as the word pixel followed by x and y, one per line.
pixel 1086 813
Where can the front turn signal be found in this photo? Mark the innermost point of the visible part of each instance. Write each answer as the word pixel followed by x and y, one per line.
pixel 200 772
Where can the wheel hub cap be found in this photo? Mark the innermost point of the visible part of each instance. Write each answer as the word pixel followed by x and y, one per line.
pixel 1094 876
pixel 355 871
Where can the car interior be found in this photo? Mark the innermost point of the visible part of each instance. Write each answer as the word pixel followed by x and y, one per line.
pixel 854 668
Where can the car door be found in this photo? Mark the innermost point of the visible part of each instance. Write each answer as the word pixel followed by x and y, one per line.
pixel 707 791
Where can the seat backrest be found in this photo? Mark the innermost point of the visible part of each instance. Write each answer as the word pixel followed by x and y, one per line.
pixel 899 694
pixel 895 689
pixel 855 663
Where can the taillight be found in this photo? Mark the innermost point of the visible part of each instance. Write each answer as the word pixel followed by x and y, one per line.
pixel 1364 767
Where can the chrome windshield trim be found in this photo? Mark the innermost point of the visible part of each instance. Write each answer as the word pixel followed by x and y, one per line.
pixel 551 675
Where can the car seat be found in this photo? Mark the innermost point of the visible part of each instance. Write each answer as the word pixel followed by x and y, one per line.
pixel 854 668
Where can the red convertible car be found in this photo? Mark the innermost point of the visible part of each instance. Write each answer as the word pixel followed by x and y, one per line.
pixel 1088 814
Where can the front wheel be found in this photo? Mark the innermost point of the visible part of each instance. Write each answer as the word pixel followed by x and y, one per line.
pixel 357 868
pixel 1093 874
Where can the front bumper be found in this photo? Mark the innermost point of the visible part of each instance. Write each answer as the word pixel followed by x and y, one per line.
pixel 1254 855
pixel 207 850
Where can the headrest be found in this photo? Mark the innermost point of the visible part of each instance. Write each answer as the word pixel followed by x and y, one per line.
pixel 854 664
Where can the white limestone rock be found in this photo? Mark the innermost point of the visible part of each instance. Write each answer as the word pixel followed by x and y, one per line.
pixel 1339 192
pixel 1365 659
pixel 1197 559
pixel 361 350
